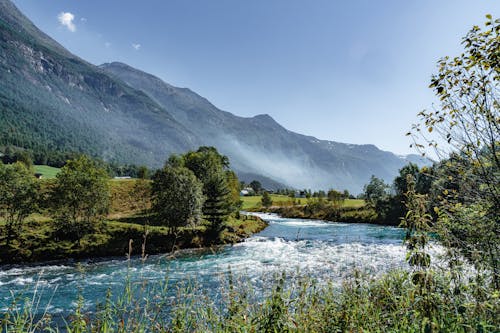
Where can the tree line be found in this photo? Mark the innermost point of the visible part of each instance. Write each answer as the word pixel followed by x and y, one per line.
pixel 196 188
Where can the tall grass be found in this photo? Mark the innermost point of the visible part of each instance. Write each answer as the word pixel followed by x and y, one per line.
pixel 392 303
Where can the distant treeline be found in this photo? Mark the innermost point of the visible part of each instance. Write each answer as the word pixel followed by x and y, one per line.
pixel 58 159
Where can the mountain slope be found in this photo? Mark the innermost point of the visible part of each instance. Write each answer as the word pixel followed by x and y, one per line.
pixel 260 145
pixel 52 100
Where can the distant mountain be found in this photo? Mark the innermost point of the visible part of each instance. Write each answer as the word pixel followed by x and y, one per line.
pixel 52 100
pixel 260 145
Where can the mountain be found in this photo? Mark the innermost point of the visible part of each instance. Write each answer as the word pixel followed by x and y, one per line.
pixel 52 100
pixel 260 145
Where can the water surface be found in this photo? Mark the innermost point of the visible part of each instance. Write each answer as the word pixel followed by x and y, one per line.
pixel 322 250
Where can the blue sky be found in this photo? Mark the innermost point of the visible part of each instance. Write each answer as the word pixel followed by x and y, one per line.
pixel 352 71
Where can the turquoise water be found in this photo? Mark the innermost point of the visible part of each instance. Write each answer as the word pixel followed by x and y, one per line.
pixel 322 250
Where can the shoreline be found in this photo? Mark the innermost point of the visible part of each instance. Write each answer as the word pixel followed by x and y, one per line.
pixel 345 215
pixel 114 242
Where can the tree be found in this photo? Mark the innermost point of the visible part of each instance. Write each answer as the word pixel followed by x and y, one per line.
pixel 335 197
pixel 80 197
pixel 19 191
pixel 466 128
pixel 142 172
pixel 205 162
pixel 417 223
pixel 177 197
pixel 217 206
pixel 256 185
pixel 234 186
pixel 266 200
pixel 219 185
pixel 375 191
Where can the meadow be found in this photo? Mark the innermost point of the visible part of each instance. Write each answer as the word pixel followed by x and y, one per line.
pixel 46 171
pixel 254 202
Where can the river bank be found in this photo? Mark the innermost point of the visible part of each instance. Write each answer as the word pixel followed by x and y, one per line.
pixel 344 210
pixel 328 212
pixel 121 233
pixel 39 241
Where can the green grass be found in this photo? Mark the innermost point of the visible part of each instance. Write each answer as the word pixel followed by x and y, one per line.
pixel 47 172
pixel 389 303
pixel 354 203
pixel 254 201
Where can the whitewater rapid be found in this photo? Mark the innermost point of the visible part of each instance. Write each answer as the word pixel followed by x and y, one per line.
pixel 321 250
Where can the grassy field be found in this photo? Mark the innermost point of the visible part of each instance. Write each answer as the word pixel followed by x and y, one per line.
pixel 254 201
pixel 46 171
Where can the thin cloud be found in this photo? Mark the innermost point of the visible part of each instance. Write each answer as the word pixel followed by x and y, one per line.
pixel 83 19
pixel 136 46
pixel 107 44
pixel 66 19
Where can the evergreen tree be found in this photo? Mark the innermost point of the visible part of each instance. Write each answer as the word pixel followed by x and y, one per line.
pixel 217 205
pixel 210 168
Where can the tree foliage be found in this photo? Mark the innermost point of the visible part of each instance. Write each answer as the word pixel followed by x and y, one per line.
pixel 256 186
pixel 18 196
pixel 336 197
pixel 217 206
pixel 375 191
pixel 80 197
pixel 266 200
pixel 177 197
pixel 219 185
pixel 465 130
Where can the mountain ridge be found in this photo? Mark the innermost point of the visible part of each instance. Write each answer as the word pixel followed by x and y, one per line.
pixel 52 99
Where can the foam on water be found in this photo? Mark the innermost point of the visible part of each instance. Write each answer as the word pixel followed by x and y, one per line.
pixel 325 251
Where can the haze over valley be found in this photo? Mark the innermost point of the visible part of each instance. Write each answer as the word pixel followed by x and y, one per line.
pixel 52 99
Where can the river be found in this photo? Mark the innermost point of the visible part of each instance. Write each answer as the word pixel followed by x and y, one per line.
pixel 322 250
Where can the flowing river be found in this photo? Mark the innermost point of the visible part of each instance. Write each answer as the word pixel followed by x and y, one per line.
pixel 322 250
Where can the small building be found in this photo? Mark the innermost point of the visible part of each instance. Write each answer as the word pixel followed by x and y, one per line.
pixel 246 192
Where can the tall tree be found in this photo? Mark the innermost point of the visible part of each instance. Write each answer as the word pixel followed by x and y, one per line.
pixel 467 126
pixel 211 168
pixel 80 197
pixel 177 197
pixel 234 186
pixel 217 206
pixel 19 191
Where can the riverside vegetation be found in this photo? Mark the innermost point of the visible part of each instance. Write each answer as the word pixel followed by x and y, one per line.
pixel 82 213
pixel 461 207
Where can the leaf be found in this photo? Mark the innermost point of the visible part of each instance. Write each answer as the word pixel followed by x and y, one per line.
pixel 430 129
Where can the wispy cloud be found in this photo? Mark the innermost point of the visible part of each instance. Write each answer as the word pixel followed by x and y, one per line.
pixel 66 19
pixel 83 19
pixel 136 46
pixel 107 44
